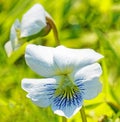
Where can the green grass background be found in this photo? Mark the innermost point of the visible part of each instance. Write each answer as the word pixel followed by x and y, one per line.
pixel 81 24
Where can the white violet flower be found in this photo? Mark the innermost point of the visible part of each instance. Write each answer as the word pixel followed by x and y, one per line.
pixel 72 75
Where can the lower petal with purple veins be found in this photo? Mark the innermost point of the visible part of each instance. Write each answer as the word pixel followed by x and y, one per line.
pixel 40 91
pixel 67 102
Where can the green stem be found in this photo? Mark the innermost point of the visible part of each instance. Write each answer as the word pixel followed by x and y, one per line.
pixel 52 24
pixel 64 119
pixel 83 116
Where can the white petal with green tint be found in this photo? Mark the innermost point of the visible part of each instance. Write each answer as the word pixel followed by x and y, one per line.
pixel 8 48
pixel 14 34
pixel 40 90
pixel 89 88
pixel 33 21
pixel 92 88
pixel 87 79
pixel 69 60
pixel 88 72
pixel 40 60
pixel 13 42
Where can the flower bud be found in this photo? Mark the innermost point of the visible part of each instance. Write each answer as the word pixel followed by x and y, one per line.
pixel 34 22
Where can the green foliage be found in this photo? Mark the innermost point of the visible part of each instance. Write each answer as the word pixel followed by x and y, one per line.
pixel 81 24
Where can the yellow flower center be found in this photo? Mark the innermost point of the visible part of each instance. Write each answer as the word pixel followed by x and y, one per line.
pixel 66 88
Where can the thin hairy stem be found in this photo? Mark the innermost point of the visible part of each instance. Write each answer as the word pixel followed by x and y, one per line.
pixel 83 116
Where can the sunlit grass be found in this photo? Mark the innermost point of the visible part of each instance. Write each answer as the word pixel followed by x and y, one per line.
pixel 81 25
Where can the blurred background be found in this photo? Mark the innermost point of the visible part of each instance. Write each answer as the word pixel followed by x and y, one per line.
pixel 81 24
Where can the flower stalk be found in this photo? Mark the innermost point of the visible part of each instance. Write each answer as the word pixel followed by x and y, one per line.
pixel 64 119
pixel 55 32
pixel 83 116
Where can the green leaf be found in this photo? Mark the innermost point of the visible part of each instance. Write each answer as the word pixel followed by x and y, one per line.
pixel 114 107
